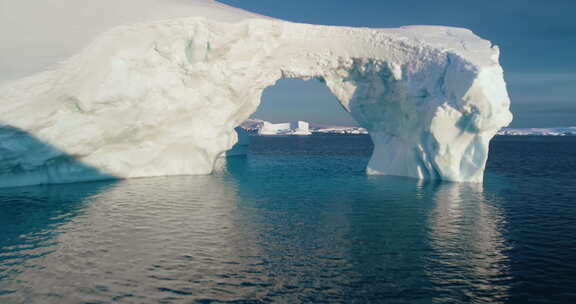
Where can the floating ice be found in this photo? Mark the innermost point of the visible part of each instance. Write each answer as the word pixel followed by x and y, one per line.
pixel 288 128
pixel 568 131
pixel 162 97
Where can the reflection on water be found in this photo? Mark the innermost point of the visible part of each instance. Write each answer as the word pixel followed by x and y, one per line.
pixel 31 218
pixel 467 242
pixel 257 232
pixel 138 240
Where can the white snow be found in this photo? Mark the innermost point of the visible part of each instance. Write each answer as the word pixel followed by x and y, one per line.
pixel 301 128
pixel 568 131
pixel 161 93
pixel 252 125
pixel 288 128
pixel 38 34
pixel 342 130
pixel 262 127
pixel 269 128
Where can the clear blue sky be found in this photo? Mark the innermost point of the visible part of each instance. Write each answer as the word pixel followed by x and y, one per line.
pixel 537 40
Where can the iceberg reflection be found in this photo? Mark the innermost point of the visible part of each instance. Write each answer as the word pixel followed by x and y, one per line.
pixel 256 233
pixel 142 240
pixel 466 237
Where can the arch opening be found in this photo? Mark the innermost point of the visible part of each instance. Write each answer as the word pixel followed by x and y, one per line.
pixel 292 99
pixel 303 109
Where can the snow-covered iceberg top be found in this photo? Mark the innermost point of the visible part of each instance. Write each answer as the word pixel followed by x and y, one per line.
pixel 162 97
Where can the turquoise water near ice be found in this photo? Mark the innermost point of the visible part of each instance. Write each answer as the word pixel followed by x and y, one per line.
pixel 298 221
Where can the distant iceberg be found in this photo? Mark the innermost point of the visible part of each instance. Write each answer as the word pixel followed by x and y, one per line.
pixel 341 130
pixel 262 127
pixel 568 131
pixel 289 128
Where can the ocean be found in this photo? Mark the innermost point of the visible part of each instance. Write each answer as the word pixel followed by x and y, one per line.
pixel 299 221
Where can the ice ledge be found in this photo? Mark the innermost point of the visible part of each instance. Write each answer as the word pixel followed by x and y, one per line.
pixel 163 98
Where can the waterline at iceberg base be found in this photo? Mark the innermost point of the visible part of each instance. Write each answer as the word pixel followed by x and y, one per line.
pixel 163 97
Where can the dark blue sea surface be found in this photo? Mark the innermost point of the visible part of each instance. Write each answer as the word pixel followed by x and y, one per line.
pixel 298 221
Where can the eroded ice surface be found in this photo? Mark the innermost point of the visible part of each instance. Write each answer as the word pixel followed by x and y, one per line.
pixel 162 94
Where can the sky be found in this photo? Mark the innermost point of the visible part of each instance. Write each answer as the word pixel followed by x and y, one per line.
pixel 537 40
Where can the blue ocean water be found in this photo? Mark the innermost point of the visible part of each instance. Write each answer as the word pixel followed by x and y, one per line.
pixel 298 221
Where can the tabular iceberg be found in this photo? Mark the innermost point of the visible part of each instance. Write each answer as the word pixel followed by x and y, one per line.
pixel 162 97
pixel 288 128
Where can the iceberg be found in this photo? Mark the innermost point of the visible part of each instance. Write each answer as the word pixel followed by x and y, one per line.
pixel 567 131
pixel 341 130
pixel 301 128
pixel 269 128
pixel 156 95
pixel 262 127
pixel 289 128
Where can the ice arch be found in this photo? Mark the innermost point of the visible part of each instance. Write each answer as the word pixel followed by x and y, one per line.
pixel 163 98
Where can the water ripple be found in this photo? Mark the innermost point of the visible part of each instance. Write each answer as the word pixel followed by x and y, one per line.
pixel 296 227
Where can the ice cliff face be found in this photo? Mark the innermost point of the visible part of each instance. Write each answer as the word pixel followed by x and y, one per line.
pixel 163 98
